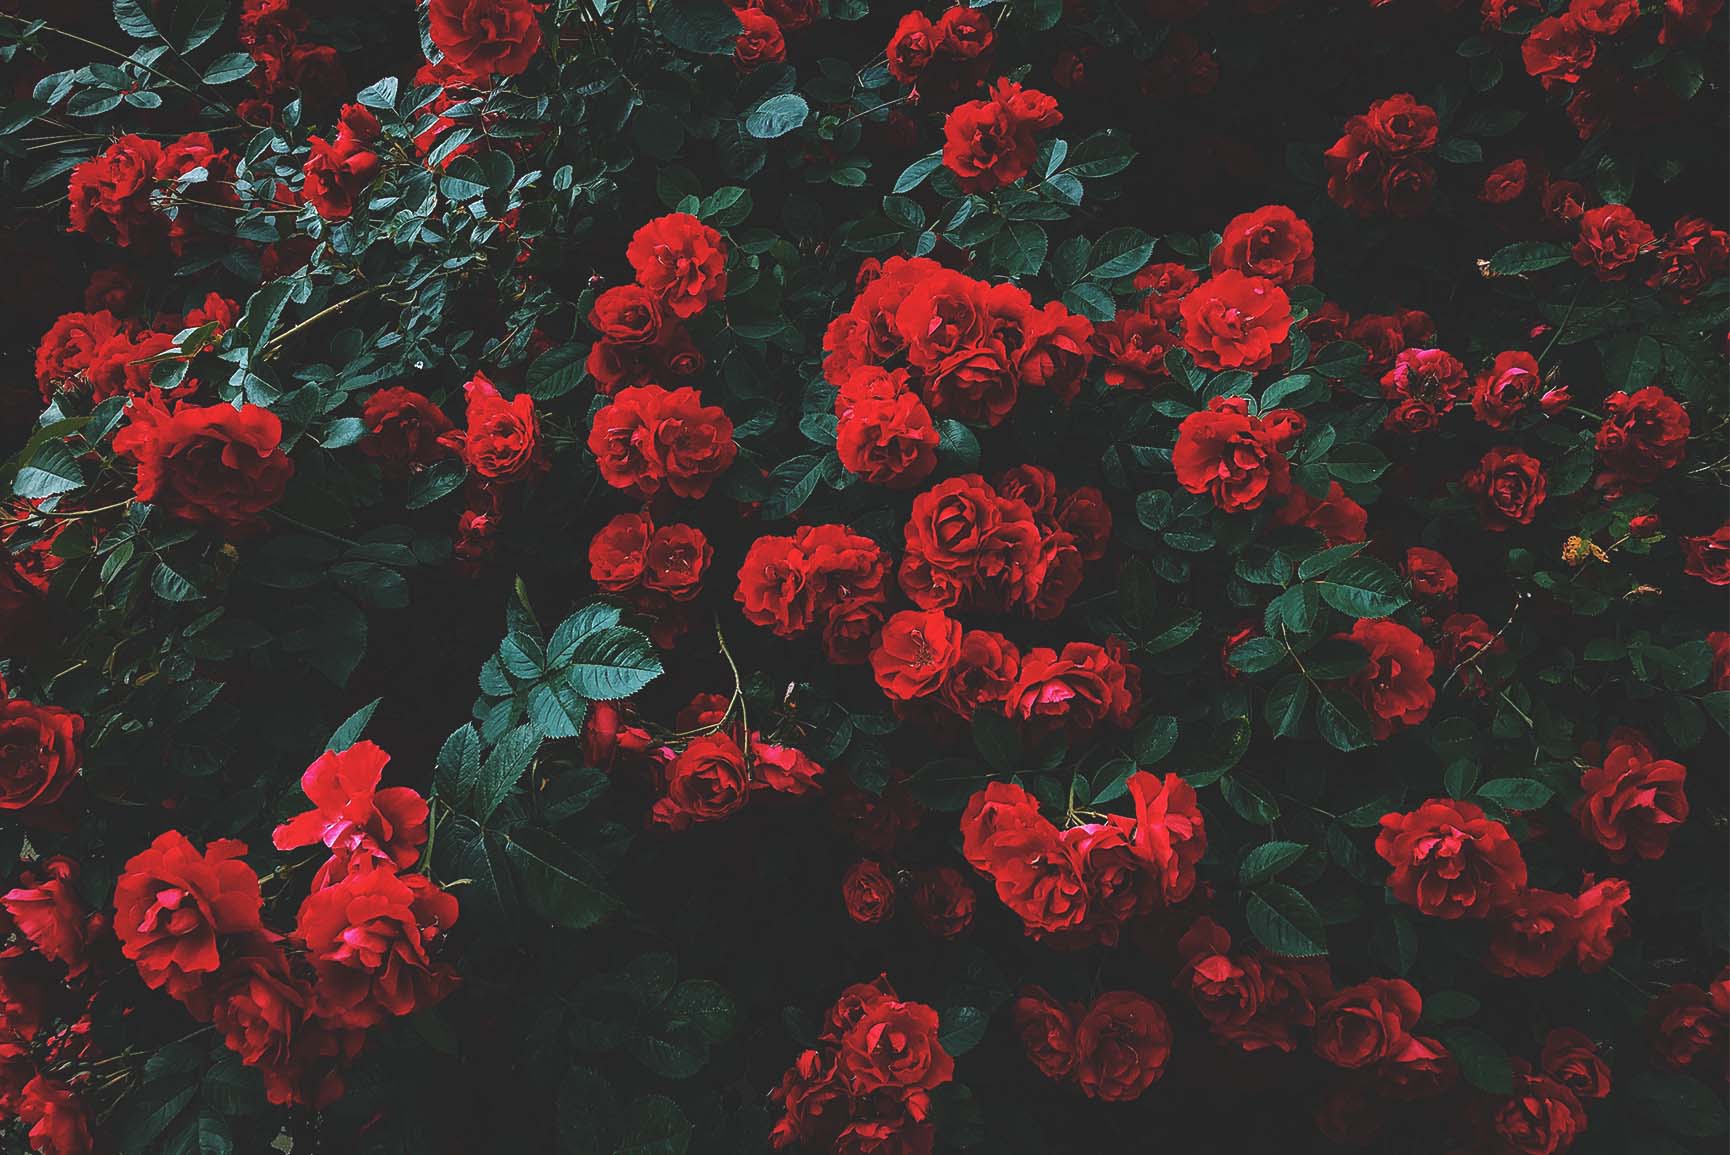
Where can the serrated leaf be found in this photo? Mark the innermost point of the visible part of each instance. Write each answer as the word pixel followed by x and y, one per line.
pixel 1267 860
pixel 504 767
pixel 960 1029
pixel 611 663
pixel 352 727
pixel 556 882
pixel 1285 922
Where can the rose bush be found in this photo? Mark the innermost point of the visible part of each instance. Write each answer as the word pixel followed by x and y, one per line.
pixel 1065 567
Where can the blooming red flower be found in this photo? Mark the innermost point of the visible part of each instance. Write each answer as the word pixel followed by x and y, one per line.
pixel 1047 1030
pixel 1541 1117
pixel 1077 689
pixel 1509 486
pixel 404 430
pixel 110 193
pixel 1170 834
pixel 1449 860
pixel 1707 556
pixel 943 901
pixel 883 430
pixel 1611 240
pixel 1600 922
pixel 481 39
pixel 1559 50
pixel 1367 1023
pixel 915 652
pixel 682 261
pixel 868 893
pixel 1692 257
pixel 1643 435
pixel 892 1045
pixel 1394 686
pixel 1271 242
pixel 1572 1059
pixel 1233 321
pixel 40 752
pixel 173 905
pixel 59 1123
pixel 648 437
pixel 1431 574
pixel 1234 458
pixel 707 781
pixel 989 144
pixel 1507 389
pixel 370 939
pixel 46 911
pixel 338 171
pixel 1531 934
pixel 1632 802
pixel 1005 838
pixel 1690 1027
pixel 1338 518
pixel 759 41
pixel 71 346
pixel 206 463
pixel 360 823
pixel 911 47
pixel 1122 1044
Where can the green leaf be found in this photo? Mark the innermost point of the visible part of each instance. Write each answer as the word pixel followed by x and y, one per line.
pixel 228 68
pixel 437 480
pixel 457 765
pixel 353 727
pixel 556 709
pixel 556 882
pixel 195 21
pixel 1449 1006
pixel 1482 1060
pixel 1254 655
pixel 590 619
pixel 793 481
pixel 1252 803
pixel 171 585
pixel 612 663
pixel 1286 703
pixel 997 738
pixel 707 27
pixel 1678 1103
pixel 1119 253
pixel 133 19
pixel 586 1109
pixel 1267 860
pixel 705 1004
pixel 1154 737
pixel 957 445
pixel 1342 721
pixel 1020 249
pixel 1528 257
pixel 777 116
pixel 1516 793
pixel 960 1029
pixel 1285 922
pixel 914 174
pixel 52 470
pixel 146 1112
pixel 1362 587
pixel 556 372
pixel 503 768
pixel 653 1124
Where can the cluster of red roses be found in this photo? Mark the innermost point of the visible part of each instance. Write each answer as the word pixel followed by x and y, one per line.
pixel 273 33
pixel 110 195
pixel 967 348
pixel 1378 165
pixel 659 568
pixel 1113 1049
pixel 206 464
pixel 941 898
pixel 951 54
pixel 990 144
pixel 869 1086
pixel 1078 886
pixel 99 354
pixel 298 1008
pixel 1561 51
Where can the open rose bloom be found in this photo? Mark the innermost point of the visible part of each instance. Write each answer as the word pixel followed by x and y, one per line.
pixel 859 578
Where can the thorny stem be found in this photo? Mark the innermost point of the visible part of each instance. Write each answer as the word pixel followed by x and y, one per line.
pixel 69 515
pixel 738 693
pixel 1519 600
pixel 275 343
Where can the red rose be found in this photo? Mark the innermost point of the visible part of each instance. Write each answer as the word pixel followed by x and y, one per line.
pixel 481 39
pixel 1531 934
pixel 403 430
pixel 1055 351
pixel 502 441
pixel 964 32
pixel 1005 838
pixel 1400 126
pixel 675 561
pixel 1394 686
pixel 893 1046
pixel 1232 457
pixel 1604 17
pixel 813 1101
pixel 1367 1023
pixel 1271 242
pixel 1507 389
pixel 1465 638
pixel 1355 170
pixel 1047 1030
pixel 1086 517
pixel 110 192
pixel 1719 643
pixel 682 261
pixel 1122 1044
pixel 1233 321
pixel 337 172
pixel 172 905
pixel 207 464
pixel 1695 254
pixel 1338 518
pixel 1432 575
pixel 888 440
pixel 59 1123
pixel 356 820
pixel 1708 557
pixel 628 314
pixel 759 41
pixel 1600 922
pixel 1541 1117
pixel 911 47
pixel 70 347
pixel 616 560
pixel 1134 346
pixel 989 144
pixel 1077 689
pixel 1689 1027
pixel 784 769
pixel 1632 802
pixel 791 14
pixel 1420 1068
pixel 609 734
pixel 1227 990
pixel 1509 487
pixel 261 1011
pixel 1506 183
pixel 868 893
pixel 368 939
pixel 1611 240
pixel 915 652
pixel 45 910
pixel 1688 19
pixel 985 670
pixel 648 437
pixel 1572 1060
pixel 1166 284
pixel 943 901
pixel 1558 50
pixel 40 752
pixel 1642 436
pixel 1422 384
pixel 824 575
pixel 1449 860
pixel 1170 835
pixel 706 782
